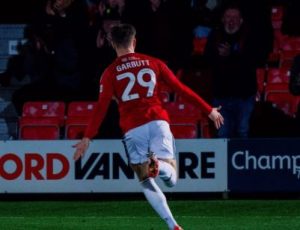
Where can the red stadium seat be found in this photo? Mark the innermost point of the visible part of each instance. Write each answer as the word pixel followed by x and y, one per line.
pixel 184 130
pixel 291 43
pixel 277 88
pixel 182 110
pixel 285 101
pixel 78 115
pixel 278 75
pixel 190 127
pixel 41 120
pixel 281 98
pixel 279 39
pixel 287 58
pixel 188 119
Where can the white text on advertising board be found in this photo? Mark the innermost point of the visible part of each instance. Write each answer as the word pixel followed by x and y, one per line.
pixel 243 160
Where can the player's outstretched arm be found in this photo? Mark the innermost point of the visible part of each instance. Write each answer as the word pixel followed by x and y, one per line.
pixel 216 117
pixel 81 148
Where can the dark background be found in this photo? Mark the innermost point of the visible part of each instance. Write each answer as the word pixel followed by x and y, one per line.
pixel 18 11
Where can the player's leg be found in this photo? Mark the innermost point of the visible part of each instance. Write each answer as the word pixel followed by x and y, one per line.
pixel 136 143
pixel 154 195
pixel 162 144
pixel 168 172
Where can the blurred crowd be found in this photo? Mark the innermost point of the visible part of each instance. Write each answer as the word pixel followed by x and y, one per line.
pixel 67 49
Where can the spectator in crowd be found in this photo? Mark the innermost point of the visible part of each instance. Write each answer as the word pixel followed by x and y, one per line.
pixel 204 14
pixel 233 59
pixel 34 61
pixel 203 18
pixel 19 66
pixel 58 52
pixel 104 9
pixel 164 29
pixel 107 15
pixel 67 22
pixel 112 7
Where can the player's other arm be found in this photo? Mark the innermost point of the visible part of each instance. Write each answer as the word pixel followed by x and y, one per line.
pixel 92 127
pixel 105 96
pixel 213 113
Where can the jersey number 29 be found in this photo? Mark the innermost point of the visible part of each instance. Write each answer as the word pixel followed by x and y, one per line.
pixel 139 79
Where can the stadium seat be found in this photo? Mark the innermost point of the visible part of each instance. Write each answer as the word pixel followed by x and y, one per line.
pixel 184 130
pixel 279 39
pixel 274 56
pixel 291 43
pixel 182 109
pixel 187 121
pixel 285 101
pixel 188 127
pixel 287 58
pixel 278 75
pixel 78 114
pixel 41 120
pixel 279 95
pixel 277 88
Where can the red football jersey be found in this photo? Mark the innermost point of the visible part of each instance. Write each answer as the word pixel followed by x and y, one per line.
pixel 134 80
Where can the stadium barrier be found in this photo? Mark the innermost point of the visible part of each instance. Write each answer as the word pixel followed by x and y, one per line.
pixel 204 165
pixel 48 167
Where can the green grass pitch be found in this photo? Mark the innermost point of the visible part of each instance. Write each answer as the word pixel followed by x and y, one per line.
pixel 138 215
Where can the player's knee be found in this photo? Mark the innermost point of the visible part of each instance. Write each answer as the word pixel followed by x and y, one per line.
pixel 142 176
pixel 141 171
pixel 170 181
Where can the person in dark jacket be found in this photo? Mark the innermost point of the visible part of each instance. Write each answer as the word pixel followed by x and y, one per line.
pixel 233 60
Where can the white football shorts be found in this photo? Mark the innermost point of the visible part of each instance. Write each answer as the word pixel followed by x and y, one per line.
pixel 154 136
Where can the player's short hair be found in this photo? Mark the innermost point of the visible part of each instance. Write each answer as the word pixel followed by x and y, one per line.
pixel 122 34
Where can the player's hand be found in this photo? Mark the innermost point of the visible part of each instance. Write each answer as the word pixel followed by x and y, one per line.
pixel 81 148
pixel 216 117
